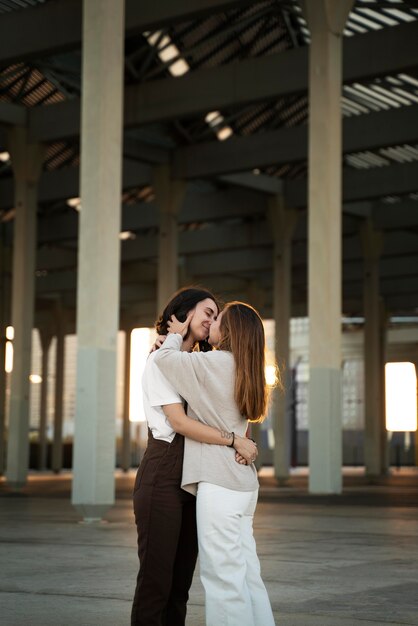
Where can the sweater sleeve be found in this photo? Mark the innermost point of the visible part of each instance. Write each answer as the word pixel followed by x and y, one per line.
pixel 185 371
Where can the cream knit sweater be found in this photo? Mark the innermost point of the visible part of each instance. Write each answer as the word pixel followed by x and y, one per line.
pixel 206 381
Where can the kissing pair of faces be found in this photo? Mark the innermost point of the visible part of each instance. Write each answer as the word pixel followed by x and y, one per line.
pixel 205 322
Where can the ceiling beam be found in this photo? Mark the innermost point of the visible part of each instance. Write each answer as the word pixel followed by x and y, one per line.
pixel 290 145
pixel 199 207
pixel 224 238
pixel 65 183
pixel 395 216
pixel 11 114
pixel 358 185
pixel 56 26
pixel 376 182
pixel 236 84
pixel 209 269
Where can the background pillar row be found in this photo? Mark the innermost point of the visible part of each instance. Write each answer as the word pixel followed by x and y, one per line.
pixel 45 335
pixel 170 194
pixel 57 443
pixel 283 222
pixel 256 297
pixel 27 159
pixel 372 243
pixel 5 259
pixel 126 459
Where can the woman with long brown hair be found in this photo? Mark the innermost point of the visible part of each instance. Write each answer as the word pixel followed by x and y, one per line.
pixel 224 388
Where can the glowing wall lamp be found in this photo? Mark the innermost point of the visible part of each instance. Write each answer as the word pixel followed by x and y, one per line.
pixel 401 397
pixel 8 365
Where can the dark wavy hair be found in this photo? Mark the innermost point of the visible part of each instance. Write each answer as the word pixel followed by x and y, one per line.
pixel 180 304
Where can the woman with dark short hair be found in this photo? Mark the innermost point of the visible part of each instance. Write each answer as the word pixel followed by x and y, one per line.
pixel 225 388
pixel 165 514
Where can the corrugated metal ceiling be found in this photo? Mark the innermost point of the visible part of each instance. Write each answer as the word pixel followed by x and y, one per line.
pixel 263 28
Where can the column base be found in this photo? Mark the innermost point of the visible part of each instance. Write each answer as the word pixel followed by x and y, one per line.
pixel 14 485
pixel 325 434
pixel 92 513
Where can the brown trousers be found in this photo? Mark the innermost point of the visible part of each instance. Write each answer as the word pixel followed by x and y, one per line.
pixel 165 517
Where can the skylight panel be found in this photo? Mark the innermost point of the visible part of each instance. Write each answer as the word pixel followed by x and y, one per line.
pixel 406 153
pixel 413 151
pixel 407 94
pixel 409 79
pixel 356 105
pixel 365 22
pixel 357 162
pixel 348 110
pixel 393 153
pixel 375 159
pixel 371 102
pixel 394 81
pixel 370 91
pixel 404 17
pixel 390 94
pixel 356 27
pixel 378 16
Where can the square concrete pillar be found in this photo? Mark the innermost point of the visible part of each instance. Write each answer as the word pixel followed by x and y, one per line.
pixel 326 23
pixel 98 257
pixel 27 159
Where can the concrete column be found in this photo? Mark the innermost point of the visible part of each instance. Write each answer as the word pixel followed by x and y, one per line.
pixel 126 432
pixel 416 432
pixel 2 395
pixel 283 222
pixel 170 194
pixel 99 257
pixel 326 23
pixel 384 444
pixel 4 321
pixel 372 243
pixel 57 450
pixel 27 161
pixel 45 335
pixel 256 297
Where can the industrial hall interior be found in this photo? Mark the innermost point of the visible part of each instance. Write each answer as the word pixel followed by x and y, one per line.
pixel 266 150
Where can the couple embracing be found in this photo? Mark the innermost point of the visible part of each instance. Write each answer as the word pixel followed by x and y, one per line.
pixel 196 488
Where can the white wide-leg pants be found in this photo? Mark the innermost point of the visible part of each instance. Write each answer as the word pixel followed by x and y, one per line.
pixel 229 567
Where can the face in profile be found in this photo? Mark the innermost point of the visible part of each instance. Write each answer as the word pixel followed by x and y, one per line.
pixel 205 313
pixel 215 331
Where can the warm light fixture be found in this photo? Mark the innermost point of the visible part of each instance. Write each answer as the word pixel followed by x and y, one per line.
pixel 224 133
pixel 8 361
pixel 401 397
pixel 126 234
pixel 4 157
pixel 74 203
pixel 35 378
pixel 167 51
pixel 216 120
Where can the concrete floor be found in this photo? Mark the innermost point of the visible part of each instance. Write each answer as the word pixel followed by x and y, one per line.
pixel 327 561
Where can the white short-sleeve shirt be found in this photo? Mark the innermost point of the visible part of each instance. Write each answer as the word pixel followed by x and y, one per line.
pixel 157 392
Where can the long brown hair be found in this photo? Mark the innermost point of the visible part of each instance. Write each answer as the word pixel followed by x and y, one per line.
pixel 242 333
